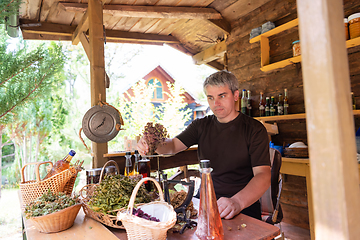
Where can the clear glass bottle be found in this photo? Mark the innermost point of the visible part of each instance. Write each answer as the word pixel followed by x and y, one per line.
pixel 128 164
pixel 243 102
pixel 209 224
pixel 248 105
pixel 262 105
pixel 61 165
pixel 286 103
pixel 135 170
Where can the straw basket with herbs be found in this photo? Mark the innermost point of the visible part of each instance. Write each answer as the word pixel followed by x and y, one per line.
pixel 102 201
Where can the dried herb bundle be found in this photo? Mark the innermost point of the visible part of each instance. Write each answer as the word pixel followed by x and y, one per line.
pixel 114 192
pixel 154 135
pixel 49 203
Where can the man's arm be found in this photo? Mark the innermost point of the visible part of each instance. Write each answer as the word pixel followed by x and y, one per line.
pixel 170 146
pixel 230 207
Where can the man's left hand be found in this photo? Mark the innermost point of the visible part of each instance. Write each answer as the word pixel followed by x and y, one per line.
pixel 228 207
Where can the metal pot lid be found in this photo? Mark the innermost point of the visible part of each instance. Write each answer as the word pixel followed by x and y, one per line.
pixel 100 123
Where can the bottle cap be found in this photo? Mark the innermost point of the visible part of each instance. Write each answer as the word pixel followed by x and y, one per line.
pixel 128 153
pixel 204 163
pixel 72 153
pixel 136 152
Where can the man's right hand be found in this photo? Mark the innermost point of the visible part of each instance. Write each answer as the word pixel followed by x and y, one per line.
pixel 142 147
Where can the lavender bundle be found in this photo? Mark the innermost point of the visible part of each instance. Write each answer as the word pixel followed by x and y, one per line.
pixel 154 135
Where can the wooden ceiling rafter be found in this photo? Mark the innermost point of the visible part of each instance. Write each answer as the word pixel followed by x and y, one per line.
pixel 149 11
pixel 211 54
pixel 82 27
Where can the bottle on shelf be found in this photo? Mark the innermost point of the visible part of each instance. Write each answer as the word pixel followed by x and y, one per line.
pixel 243 102
pixel 280 105
pixel 286 103
pixel 145 169
pixel 128 164
pixel 272 106
pixel 248 104
pixel 262 105
pixel 267 107
pixel 135 170
pixel 209 224
pixel 353 101
pixel 61 165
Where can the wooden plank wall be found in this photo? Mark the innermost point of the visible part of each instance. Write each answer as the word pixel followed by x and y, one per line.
pixel 244 62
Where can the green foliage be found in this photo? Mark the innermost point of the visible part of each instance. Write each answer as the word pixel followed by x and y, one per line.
pixel 7 8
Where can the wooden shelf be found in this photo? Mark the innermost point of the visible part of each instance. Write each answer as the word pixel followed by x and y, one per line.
pixel 290 117
pixel 265 47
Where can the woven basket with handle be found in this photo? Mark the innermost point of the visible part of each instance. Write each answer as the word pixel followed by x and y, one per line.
pixel 32 189
pixel 142 229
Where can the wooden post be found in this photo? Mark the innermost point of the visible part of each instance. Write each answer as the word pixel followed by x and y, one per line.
pixel 329 119
pixel 97 69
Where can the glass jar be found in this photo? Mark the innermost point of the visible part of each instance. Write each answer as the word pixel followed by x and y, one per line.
pixel 296 48
pixel 354 25
pixel 93 176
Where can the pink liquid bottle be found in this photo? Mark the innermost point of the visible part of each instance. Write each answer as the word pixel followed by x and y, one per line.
pixel 209 222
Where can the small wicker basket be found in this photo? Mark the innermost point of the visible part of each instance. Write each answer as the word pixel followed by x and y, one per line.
pixel 57 221
pixel 142 229
pixel 32 189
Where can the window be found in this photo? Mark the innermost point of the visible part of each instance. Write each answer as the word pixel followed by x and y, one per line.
pixel 158 89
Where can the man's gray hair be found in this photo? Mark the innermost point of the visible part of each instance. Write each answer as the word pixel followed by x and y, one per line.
pixel 222 78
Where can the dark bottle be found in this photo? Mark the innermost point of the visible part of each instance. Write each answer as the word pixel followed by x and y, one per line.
pixel 144 170
pixel 353 101
pixel 280 105
pixel 128 164
pixel 243 102
pixel 262 105
pixel 248 104
pixel 286 103
pixel 209 224
pixel 61 165
pixel 272 106
pixel 267 107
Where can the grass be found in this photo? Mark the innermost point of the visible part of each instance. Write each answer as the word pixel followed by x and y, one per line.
pixel 10 215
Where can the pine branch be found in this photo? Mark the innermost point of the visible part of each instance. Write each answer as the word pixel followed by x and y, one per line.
pixel 21 70
pixel 7 6
pixel 36 87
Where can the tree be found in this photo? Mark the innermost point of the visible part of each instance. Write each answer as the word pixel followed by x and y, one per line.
pixel 8 8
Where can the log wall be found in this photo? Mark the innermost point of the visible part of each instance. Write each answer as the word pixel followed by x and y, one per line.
pixel 244 62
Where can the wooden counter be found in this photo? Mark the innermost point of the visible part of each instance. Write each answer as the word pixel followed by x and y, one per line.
pixel 301 167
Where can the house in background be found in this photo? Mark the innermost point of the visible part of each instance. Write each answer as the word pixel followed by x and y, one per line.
pixel 159 76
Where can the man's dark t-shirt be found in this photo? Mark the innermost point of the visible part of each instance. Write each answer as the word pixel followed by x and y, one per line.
pixel 233 149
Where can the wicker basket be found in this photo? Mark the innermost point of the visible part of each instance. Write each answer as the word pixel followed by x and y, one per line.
pixel 57 221
pixel 32 189
pixel 87 191
pixel 141 229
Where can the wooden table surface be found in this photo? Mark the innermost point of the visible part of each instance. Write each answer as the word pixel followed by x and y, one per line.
pixel 254 230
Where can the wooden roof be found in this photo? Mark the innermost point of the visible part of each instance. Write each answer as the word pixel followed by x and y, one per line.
pixel 191 26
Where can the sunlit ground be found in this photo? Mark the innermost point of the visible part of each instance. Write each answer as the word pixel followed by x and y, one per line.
pixel 10 215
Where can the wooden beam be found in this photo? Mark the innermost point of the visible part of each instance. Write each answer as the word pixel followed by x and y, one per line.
pixel 329 120
pixel 139 37
pixel 221 24
pixel 82 27
pixel 214 52
pixel 149 11
pixel 46 28
pixel 97 70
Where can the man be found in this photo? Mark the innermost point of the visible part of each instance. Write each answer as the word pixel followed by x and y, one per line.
pixel 236 145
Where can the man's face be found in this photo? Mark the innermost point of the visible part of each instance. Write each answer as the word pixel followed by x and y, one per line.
pixel 222 102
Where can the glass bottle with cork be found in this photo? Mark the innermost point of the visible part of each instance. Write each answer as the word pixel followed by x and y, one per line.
pixel 128 164
pixel 280 105
pixel 262 105
pixel 209 224
pixel 286 103
pixel 248 103
pixel 135 170
pixel 243 102
pixel 61 165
